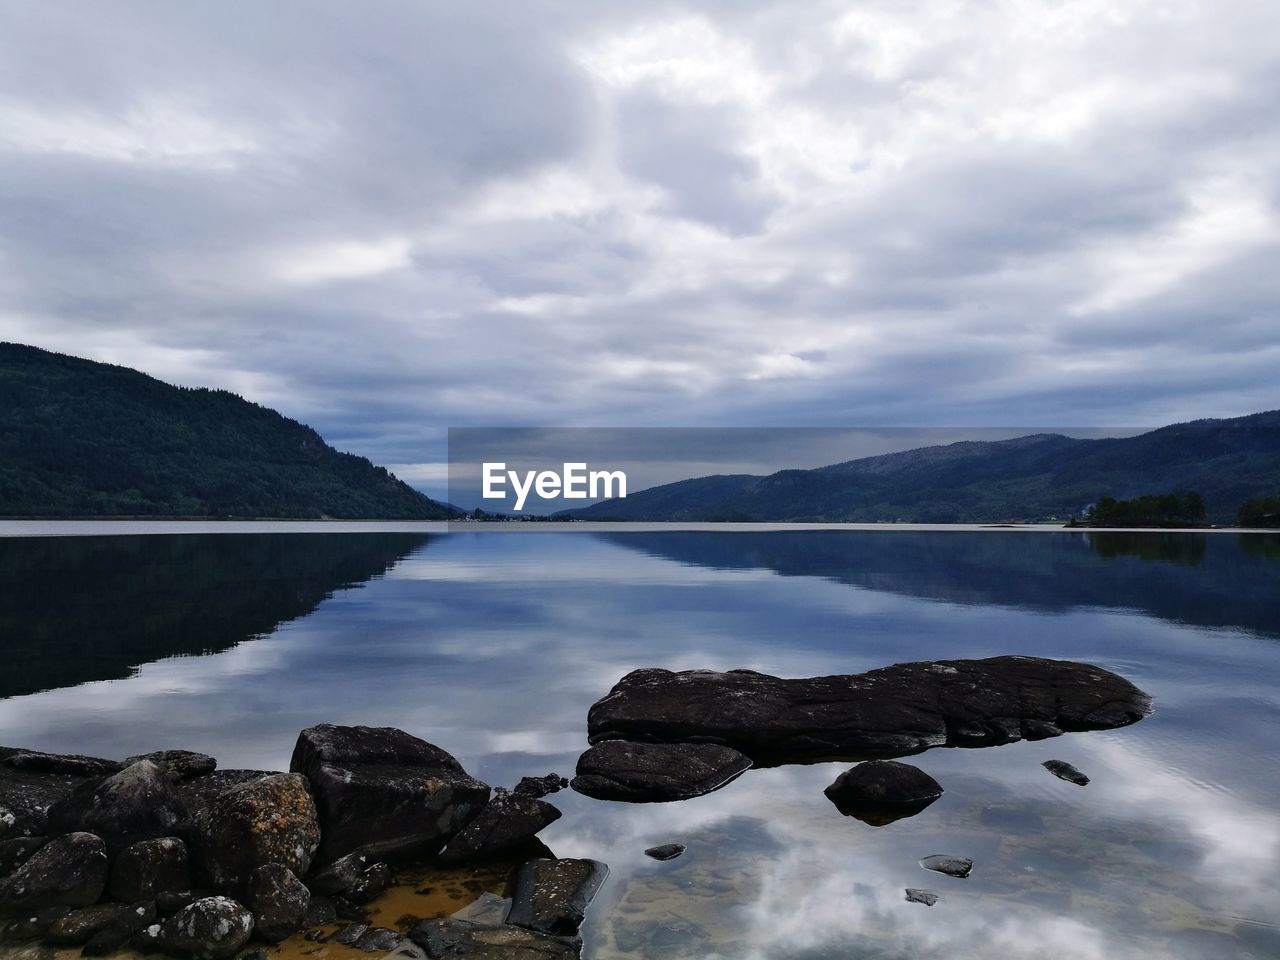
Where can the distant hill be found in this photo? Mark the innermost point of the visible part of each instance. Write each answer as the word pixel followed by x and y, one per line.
pixel 1028 478
pixel 86 439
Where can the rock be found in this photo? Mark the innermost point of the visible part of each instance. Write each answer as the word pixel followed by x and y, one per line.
pixel 383 792
pixel 63 763
pixel 179 764
pixel 148 868
pixel 209 929
pixel 552 896
pixel 378 940
pixel 488 908
pixel 506 822
pixel 879 792
pixel 147 940
pixel 35 924
pixel 539 787
pixel 279 901
pixel 340 876
pixel 79 925
pixel 138 803
pixel 27 794
pixel 450 938
pixel 1065 771
pixel 348 935
pixel 890 712
pixel 320 912
pixel 175 901
pixel 667 851
pixel 70 870
pixel 959 867
pixel 656 772
pixel 346 910
pixel 372 882
pixel 921 896
pixel 120 931
pixel 15 852
pixel 269 820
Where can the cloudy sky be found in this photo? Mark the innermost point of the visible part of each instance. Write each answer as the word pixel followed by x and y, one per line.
pixel 387 218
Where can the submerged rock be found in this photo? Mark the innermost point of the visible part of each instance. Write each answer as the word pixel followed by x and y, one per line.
pixel 209 929
pixel 552 896
pixel 894 711
pixel 1065 771
pixel 666 851
pixel 452 938
pixel 271 820
pixel 656 772
pixel 506 822
pixel 70 871
pixel 921 896
pixel 378 940
pixel 138 803
pixel 878 792
pixel 959 867
pixel 279 901
pixel 148 868
pixel 383 792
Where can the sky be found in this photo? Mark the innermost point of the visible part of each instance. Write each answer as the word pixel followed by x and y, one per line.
pixel 389 218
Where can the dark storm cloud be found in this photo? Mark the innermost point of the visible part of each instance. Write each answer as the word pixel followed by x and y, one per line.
pixel 392 217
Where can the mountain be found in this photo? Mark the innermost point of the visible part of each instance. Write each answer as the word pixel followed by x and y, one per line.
pixel 1027 478
pixel 86 439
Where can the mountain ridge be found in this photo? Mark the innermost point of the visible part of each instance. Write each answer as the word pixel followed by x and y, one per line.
pixel 84 439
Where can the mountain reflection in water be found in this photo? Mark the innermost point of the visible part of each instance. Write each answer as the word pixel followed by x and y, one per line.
pixel 494 646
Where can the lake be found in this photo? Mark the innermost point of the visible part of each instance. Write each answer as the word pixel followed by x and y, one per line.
pixel 493 646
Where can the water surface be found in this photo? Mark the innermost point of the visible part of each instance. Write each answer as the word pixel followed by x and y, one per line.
pixel 494 646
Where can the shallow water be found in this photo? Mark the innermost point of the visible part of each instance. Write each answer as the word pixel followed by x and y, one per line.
pixel 493 646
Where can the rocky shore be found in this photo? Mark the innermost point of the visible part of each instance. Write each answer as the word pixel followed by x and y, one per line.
pixel 168 853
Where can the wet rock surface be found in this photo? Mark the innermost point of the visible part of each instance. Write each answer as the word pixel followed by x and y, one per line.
pixel 209 929
pixel 889 712
pixel 879 792
pixel 383 792
pixel 666 851
pixel 70 871
pixel 452 938
pixel 656 772
pixel 180 765
pixel 148 868
pixel 269 820
pixel 1065 771
pixel 552 896
pixel 279 901
pixel 507 821
pixel 959 867
pixel 138 803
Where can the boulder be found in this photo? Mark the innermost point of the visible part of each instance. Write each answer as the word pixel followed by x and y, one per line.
pixel 552 896
pixel 213 928
pixel 15 852
pixel 338 877
pixel 656 772
pixel 890 712
pixel 383 792
pixel 30 926
pixel 70 871
pixel 320 913
pixel 26 794
pixel 879 792
pixel 461 939
pixel 506 822
pixel 666 851
pixel 348 935
pixel 149 868
pixel 375 879
pixel 1065 771
pixel 64 763
pixel 268 820
pixel 179 764
pixel 119 932
pixel 279 901
pixel 77 926
pixel 921 896
pixel 378 940
pixel 138 803
pixel 959 867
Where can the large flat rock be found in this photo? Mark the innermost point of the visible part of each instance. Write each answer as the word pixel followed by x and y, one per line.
pixel 890 712
pixel 656 772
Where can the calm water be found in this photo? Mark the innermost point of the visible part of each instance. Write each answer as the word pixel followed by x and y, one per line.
pixel 493 646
